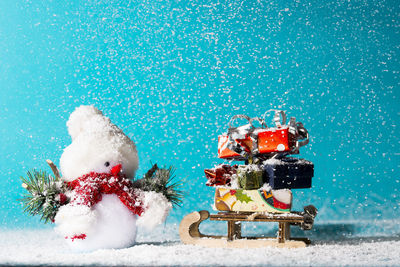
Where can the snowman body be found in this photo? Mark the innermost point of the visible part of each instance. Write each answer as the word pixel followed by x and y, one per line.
pixel 115 226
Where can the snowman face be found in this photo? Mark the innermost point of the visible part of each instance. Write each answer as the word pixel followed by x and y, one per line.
pixel 98 152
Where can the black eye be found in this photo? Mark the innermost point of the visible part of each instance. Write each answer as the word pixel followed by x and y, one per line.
pixel 107 164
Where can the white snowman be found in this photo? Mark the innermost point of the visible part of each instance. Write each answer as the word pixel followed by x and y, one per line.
pixel 104 208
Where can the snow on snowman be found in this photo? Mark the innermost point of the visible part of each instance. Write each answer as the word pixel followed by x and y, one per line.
pixel 102 204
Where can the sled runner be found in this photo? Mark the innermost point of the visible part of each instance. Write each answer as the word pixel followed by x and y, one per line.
pixel 190 234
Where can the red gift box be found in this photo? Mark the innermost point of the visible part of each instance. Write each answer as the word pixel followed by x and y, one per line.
pixel 220 175
pixel 274 140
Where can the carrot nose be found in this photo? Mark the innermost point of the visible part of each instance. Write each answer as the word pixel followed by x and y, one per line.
pixel 116 169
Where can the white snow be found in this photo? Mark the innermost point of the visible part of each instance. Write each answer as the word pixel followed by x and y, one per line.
pixel 273 161
pixel 266 187
pixel 280 147
pixel 249 168
pixel 162 247
pixel 234 181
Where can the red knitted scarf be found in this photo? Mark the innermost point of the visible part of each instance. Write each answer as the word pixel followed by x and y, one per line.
pixel 89 188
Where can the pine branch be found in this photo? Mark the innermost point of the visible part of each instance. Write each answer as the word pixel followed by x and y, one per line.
pixel 162 180
pixel 43 196
pixel 151 172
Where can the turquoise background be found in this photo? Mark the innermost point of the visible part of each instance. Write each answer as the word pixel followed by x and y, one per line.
pixel 172 73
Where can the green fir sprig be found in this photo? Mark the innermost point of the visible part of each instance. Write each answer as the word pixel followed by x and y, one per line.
pixel 44 196
pixel 162 180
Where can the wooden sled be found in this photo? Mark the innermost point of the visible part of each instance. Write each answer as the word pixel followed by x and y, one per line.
pixel 190 234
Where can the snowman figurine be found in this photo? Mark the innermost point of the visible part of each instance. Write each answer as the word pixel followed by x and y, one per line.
pixel 104 207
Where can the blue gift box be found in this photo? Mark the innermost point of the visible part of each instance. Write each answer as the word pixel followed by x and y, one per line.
pixel 288 173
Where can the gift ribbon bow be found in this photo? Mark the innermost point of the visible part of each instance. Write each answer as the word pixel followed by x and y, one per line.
pixel 296 129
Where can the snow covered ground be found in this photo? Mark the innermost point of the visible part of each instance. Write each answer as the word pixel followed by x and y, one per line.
pixel 334 244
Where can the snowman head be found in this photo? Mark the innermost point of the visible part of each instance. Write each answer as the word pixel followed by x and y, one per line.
pixel 97 146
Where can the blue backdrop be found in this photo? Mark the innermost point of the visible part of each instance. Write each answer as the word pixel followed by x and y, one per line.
pixel 172 73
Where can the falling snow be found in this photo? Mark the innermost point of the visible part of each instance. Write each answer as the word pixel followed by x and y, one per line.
pixel 172 73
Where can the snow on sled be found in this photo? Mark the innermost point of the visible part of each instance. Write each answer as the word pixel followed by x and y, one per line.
pixel 190 234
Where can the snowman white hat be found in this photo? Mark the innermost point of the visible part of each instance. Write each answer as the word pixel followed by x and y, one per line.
pixel 81 120
pixel 96 141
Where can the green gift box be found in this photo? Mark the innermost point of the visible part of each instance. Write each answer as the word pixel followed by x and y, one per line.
pixel 250 176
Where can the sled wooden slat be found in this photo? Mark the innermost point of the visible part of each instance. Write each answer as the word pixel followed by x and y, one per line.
pixel 190 234
pixel 233 216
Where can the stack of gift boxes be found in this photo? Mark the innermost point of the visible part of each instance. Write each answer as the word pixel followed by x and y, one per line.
pixel 264 181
